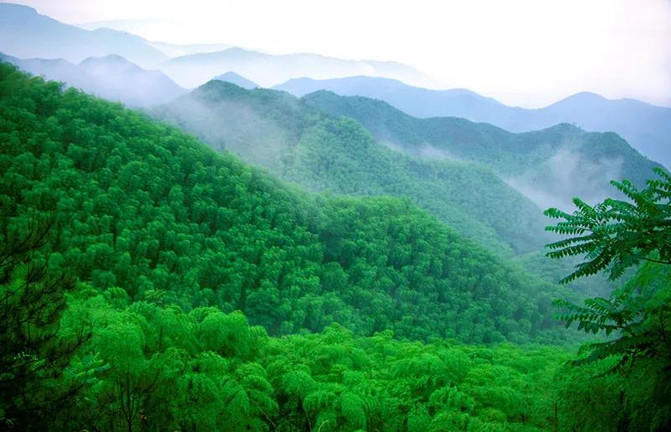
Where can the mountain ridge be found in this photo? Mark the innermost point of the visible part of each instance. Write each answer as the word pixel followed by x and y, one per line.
pixel 643 125
pixel 531 161
pixel 112 77
pixel 303 145
pixel 25 33
pixel 237 79
pixel 267 69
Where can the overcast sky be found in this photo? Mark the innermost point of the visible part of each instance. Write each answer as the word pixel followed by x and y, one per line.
pixel 522 52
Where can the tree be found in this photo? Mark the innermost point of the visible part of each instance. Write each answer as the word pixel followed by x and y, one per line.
pixel 33 355
pixel 613 236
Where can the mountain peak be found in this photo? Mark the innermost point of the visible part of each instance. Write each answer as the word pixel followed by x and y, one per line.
pixel 239 80
pixel 585 96
pixel 111 60
pixel 17 9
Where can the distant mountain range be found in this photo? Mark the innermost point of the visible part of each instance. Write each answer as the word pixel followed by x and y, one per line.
pixel 26 34
pixel 646 127
pixel 550 166
pixel 111 77
pixel 268 70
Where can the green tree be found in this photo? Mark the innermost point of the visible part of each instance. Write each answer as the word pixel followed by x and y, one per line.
pixel 613 236
pixel 617 234
pixel 33 355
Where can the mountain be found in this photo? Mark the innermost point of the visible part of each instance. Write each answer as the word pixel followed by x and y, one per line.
pixel 268 70
pixel 644 126
pixel 550 166
pixel 238 80
pixel 111 77
pixel 26 34
pixel 146 213
pixel 302 145
pixel 55 70
pixel 178 50
pixel 416 101
pixel 119 79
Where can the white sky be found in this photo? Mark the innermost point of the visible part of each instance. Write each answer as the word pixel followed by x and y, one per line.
pixel 522 52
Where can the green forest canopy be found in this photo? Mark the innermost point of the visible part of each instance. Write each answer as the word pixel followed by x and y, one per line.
pixel 154 252
pixel 306 146
pixel 141 206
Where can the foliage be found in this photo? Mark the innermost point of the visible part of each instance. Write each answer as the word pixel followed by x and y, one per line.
pixel 200 279
pixel 33 355
pixel 141 207
pixel 613 236
pixel 334 380
pixel 303 145
pixel 617 234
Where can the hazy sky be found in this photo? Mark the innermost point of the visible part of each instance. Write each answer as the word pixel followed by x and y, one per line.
pixel 524 52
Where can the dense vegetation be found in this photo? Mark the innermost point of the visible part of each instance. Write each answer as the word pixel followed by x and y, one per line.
pixel 552 166
pixel 613 236
pixel 141 206
pixel 302 145
pixel 151 284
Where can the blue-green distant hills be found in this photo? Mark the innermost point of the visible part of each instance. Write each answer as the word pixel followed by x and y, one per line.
pixel 550 166
pixel 476 177
pixel 646 127
pixel 24 33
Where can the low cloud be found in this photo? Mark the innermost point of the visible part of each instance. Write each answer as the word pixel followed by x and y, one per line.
pixel 568 174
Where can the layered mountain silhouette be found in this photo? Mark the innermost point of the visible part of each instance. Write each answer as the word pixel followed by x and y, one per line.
pixel 268 70
pixel 644 126
pixel 550 166
pixel 303 145
pixel 111 77
pixel 26 34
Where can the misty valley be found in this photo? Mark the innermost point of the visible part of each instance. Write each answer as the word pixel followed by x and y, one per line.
pixel 201 237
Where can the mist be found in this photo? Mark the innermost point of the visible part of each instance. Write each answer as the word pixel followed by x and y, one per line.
pixel 566 175
pixel 112 77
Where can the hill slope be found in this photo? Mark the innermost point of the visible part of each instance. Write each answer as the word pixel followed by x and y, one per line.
pixel 302 145
pixel 550 166
pixel 138 206
pixel 644 126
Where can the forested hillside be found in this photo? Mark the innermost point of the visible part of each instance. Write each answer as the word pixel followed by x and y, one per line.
pixel 149 283
pixel 302 145
pixel 141 206
pixel 550 166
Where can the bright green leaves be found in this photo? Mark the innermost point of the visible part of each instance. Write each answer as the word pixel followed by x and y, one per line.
pixel 143 208
pixel 615 234
pixel 229 335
